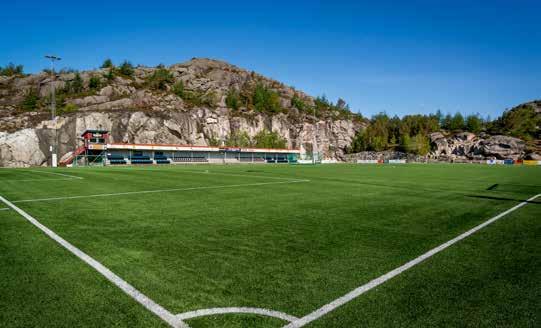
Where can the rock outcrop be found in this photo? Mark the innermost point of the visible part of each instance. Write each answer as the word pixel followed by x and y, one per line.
pixel 467 145
pixel 29 147
pixel 137 113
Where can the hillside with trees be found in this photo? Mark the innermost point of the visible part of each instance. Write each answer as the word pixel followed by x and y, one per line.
pixel 411 133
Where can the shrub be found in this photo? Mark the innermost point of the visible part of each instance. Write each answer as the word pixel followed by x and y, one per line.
pixel 232 99
pixel 67 70
pixel 126 68
pixel 30 100
pixel 178 89
pixel 11 69
pixel 198 98
pixel 108 63
pixel 160 79
pixel 110 75
pixel 266 100
pixel 269 139
pixel 94 83
pixel 214 142
pixel 298 103
pixel 238 139
pixel 77 84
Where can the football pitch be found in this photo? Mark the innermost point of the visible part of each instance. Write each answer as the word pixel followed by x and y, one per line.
pixel 271 246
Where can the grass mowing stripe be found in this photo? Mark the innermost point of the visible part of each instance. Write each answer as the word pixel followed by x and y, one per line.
pixel 391 274
pixel 108 274
pixel 55 173
pixel 156 191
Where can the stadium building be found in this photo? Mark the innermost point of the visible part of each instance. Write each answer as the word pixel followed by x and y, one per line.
pixel 96 150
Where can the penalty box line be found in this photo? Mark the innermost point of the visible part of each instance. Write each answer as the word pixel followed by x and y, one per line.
pixel 393 273
pixel 104 271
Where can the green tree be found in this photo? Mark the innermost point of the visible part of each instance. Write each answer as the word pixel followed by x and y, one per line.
pixel 94 83
pixel 474 123
pixel 107 63
pixel 238 139
pixel 11 69
pixel 77 83
pixel 457 122
pixel 126 68
pixel 160 79
pixel 30 100
pixel 422 144
pixel 359 142
pixel 446 122
pixel 298 103
pixel 269 139
pixel 266 100
pixel 232 100
pixel 110 75
pixel 522 122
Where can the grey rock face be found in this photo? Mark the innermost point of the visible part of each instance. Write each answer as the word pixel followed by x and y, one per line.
pixel 20 149
pixel 467 145
pixel 28 147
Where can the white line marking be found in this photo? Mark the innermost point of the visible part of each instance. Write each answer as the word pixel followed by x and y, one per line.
pixel 108 274
pixel 248 310
pixel 47 179
pixel 55 173
pixel 391 274
pixel 157 191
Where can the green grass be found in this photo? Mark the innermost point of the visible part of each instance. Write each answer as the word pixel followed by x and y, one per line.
pixel 290 247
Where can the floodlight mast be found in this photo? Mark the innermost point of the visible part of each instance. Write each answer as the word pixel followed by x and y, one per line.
pixel 314 144
pixel 53 148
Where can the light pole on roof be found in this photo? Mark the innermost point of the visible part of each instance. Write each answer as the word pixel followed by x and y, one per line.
pixel 53 109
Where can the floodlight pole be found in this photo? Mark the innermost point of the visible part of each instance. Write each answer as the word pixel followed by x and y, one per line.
pixel 314 146
pixel 53 148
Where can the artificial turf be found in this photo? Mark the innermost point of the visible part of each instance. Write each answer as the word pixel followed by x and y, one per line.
pixel 286 238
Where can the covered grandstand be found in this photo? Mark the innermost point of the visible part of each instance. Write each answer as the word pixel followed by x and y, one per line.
pixel 96 149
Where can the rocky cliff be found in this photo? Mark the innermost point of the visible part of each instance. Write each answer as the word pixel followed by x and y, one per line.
pixel 189 103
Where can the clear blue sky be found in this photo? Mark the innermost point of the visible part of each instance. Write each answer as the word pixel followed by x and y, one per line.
pixel 401 57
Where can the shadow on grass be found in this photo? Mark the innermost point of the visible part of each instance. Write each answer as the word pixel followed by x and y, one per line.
pixel 504 198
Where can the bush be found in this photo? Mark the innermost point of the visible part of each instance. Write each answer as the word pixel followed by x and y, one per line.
pixel 30 100
pixel 77 84
pixel 232 100
pixel 11 69
pixel 298 103
pixel 269 139
pixel 126 69
pixel 110 75
pixel 266 100
pixel 94 83
pixel 108 63
pixel 214 142
pixel 160 79
pixel 238 139
pixel 178 89
pixel 198 98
